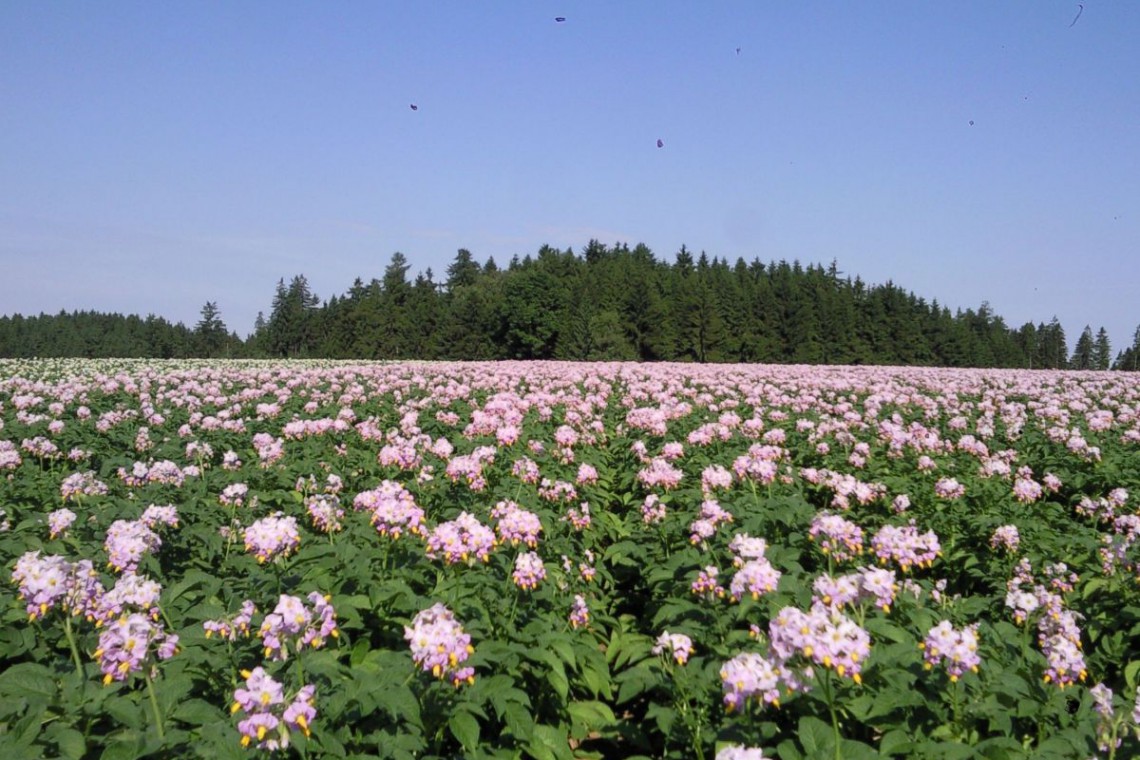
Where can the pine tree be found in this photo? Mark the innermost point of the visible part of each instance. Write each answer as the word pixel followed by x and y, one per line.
pixel 1082 357
pixel 1102 350
pixel 210 333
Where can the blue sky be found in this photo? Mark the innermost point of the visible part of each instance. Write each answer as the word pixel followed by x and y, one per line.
pixel 156 156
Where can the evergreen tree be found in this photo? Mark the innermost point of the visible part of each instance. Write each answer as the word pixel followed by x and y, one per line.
pixel 291 330
pixel 210 333
pixel 1082 357
pixel 1102 350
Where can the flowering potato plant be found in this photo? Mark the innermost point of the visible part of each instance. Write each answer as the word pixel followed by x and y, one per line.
pixel 555 561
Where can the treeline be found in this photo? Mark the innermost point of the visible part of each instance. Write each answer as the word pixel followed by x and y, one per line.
pixel 617 303
pixel 608 303
pixel 90 334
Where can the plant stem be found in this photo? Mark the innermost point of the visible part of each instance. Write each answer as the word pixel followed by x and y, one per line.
pixel 74 649
pixel 154 707
pixel 829 694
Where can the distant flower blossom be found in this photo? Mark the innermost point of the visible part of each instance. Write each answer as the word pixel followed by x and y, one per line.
pixel 579 612
pixel 130 643
pixel 293 625
pixel 439 645
pixel 516 525
pixel 270 715
pixel 676 645
pixel 653 509
pixel 956 648
pixel 394 510
pixel 1006 537
pixel 126 543
pixel 529 571
pixel 81 484
pixel 949 488
pixel 230 628
pixel 905 546
pixel 325 512
pixel 234 495
pixel 836 536
pixel 273 537
pixel 738 752
pixel 463 539
pixel 59 521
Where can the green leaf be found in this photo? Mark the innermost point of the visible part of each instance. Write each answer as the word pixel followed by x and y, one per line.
pixel 127 748
pixel 197 712
pixel 519 721
pixel 70 743
pixel 816 736
pixel 1000 748
pixel 634 682
pixel 1092 585
pixel 465 728
pixel 29 680
pixel 1130 671
pixel 853 750
pixel 895 743
pixel 787 750
pixel 549 743
pixel 591 716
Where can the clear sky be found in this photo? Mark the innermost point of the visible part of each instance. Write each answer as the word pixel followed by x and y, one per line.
pixel 158 155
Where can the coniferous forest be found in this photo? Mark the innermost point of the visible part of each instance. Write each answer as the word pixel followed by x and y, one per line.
pixel 606 303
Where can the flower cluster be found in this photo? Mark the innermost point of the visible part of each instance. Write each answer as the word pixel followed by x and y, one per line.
pixel 325 512
pixel 129 643
pixel 273 537
pixel 463 539
pixel 739 752
pixel 529 570
pixel 836 536
pixel 293 625
pixel 676 645
pixel 1006 537
pixel 949 488
pixel 516 525
pixel 229 628
pixel 59 521
pixel 660 474
pixel 393 509
pixel 131 593
pixel 234 494
pixel 126 543
pixel 876 585
pixel 755 577
pixel 45 582
pixel 579 516
pixel 958 648
pixel 706 584
pixel 270 716
pixel 439 645
pixel 905 546
pixel 823 635
pixel 653 509
pixel 712 515
pixel 749 675
pixel 81 484
pixel 579 612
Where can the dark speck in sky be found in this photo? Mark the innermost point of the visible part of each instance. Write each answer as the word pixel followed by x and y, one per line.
pixel 660 144
pixel 415 107
pixel 971 122
pixel 559 19
pixel 1080 10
